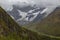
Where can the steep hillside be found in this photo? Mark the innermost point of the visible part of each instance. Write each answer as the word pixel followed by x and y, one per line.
pixel 50 25
pixel 9 30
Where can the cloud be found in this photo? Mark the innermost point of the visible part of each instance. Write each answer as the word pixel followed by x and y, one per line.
pixel 7 4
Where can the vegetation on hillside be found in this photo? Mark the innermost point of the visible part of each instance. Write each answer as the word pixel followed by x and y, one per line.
pixel 49 25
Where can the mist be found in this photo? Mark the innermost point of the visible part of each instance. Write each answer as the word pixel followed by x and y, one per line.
pixel 7 4
pixel 49 4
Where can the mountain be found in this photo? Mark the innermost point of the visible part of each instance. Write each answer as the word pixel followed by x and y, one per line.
pixel 10 30
pixel 15 13
pixel 26 14
pixel 49 25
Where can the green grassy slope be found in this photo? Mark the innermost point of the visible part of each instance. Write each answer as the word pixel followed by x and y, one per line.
pixel 50 25
pixel 10 30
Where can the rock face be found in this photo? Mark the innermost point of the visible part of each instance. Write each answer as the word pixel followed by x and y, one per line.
pixel 26 14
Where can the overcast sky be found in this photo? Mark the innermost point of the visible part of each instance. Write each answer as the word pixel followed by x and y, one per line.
pixel 7 3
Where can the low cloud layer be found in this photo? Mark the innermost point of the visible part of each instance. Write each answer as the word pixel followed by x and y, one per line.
pixel 7 4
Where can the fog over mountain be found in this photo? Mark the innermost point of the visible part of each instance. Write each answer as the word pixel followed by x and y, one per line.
pixel 6 4
pixel 29 10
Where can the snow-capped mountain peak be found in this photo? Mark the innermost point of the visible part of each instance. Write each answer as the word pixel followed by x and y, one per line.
pixel 29 10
